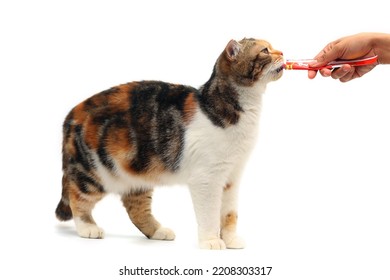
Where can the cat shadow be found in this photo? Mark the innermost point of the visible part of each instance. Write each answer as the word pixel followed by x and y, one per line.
pixel 68 230
pixel 65 230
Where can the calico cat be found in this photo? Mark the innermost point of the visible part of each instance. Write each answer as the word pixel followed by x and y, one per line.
pixel 138 135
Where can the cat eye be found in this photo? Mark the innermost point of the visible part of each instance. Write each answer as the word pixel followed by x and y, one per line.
pixel 265 50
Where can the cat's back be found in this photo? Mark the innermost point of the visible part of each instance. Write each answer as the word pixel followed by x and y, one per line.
pixel 142 95
pixel 138 127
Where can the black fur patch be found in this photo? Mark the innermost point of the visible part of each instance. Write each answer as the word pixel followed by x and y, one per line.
pixel 157 123
pixel 101 151
pixel 83 155
pixel 86 183
pixel 219 101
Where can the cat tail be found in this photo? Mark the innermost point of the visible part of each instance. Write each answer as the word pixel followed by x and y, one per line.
pixel 63 211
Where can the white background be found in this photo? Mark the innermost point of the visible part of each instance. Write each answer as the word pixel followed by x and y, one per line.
pixel 314 201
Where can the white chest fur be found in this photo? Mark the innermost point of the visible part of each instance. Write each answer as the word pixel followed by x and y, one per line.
pixel 218 150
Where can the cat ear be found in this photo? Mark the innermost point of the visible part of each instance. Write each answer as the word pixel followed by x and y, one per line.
pixel 232 49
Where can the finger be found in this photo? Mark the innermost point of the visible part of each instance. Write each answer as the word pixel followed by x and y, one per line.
pixel 348 76
pixel 311 74
pixel 325 72
pixel 343 71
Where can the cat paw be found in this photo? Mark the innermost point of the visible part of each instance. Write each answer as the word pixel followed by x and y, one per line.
pixel 88 230
pixel 163 234
pixel 91 231
pixel 235 243
pixel 212 244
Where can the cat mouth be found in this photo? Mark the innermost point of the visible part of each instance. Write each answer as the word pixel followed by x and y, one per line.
pixel 279 69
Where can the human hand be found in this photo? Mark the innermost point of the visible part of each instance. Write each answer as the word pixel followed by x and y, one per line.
pixel 350 47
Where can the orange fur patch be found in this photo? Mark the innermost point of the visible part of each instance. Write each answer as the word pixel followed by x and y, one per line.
pixel 227 187
pixel 91 136
pixel 118 145
pixel 189 110
pixel 229 221
pixel 120 100
pixel 69 148
pixel 79 114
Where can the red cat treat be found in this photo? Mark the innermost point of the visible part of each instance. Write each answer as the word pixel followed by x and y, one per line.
pixel 139 135
pixel 304 64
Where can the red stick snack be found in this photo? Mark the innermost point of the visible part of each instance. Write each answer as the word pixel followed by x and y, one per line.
pixel 303 64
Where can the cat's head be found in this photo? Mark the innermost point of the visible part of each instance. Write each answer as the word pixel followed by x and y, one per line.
pixel 251 60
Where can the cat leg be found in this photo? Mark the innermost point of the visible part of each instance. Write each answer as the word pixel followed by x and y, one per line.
pixel 138 207
pixel 229 218
pixel 207 205
pixel 81 201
